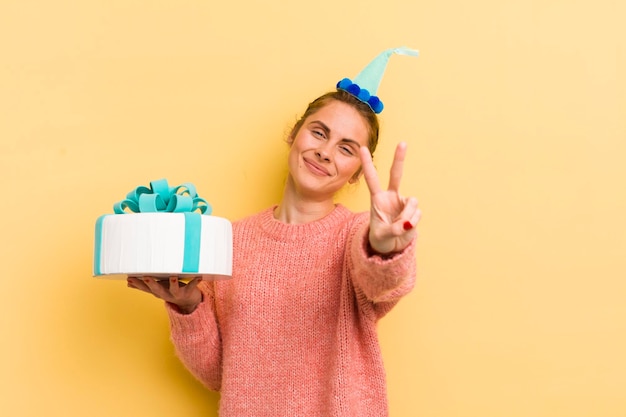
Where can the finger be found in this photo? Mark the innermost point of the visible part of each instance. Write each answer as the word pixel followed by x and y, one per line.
pixel 397 167
pixel 406 220
pixel 191 285
pixel 174 287
pixel 410 214
pixel 140 282
pixel 369 171
pixel 137 284
pixel 156 288
pixel 416 217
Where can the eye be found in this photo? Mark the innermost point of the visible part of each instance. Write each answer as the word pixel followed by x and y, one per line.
pixel 318 133
pixel 347 150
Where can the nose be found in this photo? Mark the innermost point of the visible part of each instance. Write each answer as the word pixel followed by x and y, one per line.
pixel 322 154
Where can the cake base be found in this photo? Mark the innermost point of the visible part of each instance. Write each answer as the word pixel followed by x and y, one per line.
pixel 159 277
pixel 162 245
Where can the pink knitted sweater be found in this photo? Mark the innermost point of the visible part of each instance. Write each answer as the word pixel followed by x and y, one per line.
pixel 293 333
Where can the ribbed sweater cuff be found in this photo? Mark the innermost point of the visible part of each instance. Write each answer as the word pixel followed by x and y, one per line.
pixel 383 259
pixel 383 278
pixel 199 323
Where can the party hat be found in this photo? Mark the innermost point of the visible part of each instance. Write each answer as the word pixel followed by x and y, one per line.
pixel 365 85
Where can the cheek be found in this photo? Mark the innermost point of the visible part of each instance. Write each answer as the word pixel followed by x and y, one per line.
pixel 299 142
pixel 351 166
pixel 293 156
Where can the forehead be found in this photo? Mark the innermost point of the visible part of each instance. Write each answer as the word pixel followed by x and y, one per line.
pixel 342 120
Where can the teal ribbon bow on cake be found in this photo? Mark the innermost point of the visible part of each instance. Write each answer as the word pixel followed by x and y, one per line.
pixel 160 197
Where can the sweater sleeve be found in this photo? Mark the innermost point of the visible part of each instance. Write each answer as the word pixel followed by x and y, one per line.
pixel 379 281
pixel 197 340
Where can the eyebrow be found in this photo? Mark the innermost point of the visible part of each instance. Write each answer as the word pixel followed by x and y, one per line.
pixel 326 129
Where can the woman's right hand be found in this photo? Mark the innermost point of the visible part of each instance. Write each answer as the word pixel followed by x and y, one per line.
pixel 185 296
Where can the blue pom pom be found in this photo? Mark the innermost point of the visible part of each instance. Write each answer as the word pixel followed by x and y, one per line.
pixel 345 83
pixel 354 90
pixel 364 95
pixel 375 104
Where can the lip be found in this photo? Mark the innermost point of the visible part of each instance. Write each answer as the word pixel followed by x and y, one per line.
pixel 316 168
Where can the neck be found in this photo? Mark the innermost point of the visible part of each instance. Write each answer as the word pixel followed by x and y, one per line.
pixel 296 208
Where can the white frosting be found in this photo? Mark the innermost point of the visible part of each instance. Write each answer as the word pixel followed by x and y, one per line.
pixel 154 244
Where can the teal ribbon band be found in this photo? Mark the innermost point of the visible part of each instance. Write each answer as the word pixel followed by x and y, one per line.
pixel 160 197
pixel 97 270
pixel 193 232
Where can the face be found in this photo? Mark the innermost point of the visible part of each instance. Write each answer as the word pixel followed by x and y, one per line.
pixel 324 153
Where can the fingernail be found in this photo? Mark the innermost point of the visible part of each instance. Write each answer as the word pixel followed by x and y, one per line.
pixel 407 226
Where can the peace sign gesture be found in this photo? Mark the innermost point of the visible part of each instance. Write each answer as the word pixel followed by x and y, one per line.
pixel 392 217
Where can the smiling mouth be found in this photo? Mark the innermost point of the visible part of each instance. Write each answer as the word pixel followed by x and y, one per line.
pixel 316 169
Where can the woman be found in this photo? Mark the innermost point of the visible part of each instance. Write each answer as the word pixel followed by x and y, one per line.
pixel 293 333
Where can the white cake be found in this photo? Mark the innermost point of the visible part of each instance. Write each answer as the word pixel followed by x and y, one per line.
pixel 162 245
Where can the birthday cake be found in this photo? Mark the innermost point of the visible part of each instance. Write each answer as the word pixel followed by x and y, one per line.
pixel 163 231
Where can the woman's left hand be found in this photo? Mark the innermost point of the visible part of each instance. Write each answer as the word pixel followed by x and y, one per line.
pixel 393 217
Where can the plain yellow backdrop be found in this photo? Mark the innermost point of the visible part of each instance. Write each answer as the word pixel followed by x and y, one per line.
pixel 515 118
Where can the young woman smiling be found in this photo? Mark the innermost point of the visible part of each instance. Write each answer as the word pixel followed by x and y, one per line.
pixel 293 333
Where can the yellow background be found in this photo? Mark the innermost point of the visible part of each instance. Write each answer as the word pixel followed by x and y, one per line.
pixel 515 119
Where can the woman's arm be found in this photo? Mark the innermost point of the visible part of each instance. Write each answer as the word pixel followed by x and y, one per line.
pixel 197 341
pixel 380 280
pixel 383 249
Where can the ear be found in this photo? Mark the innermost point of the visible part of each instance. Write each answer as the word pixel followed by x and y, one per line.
pixel 290 137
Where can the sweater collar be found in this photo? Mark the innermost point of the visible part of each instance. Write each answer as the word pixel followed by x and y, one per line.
pixel 284 231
